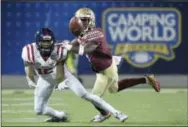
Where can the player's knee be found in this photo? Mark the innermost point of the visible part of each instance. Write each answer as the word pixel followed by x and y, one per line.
pixel 38 111
pixel 88 96
pixel 113 90
pixel 84 95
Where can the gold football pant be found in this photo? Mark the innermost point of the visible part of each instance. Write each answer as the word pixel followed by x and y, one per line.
pixel 106 80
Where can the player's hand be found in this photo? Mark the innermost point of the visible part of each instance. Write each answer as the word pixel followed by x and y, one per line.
pixel 32 85
pixel 62 86
pixel 64 42
pixel 67 46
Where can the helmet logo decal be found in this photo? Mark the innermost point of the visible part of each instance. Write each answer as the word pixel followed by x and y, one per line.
pixel 46 37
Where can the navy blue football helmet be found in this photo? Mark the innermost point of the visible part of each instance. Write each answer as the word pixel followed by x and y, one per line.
pixel 45 40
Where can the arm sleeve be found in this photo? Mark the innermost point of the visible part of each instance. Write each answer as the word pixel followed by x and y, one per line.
pixel 25 54
pixel 96 36
pixel 27 68
pixel 62 54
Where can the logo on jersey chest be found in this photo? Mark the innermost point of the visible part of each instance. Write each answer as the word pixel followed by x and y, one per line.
pixel 143 35
pixel 49 63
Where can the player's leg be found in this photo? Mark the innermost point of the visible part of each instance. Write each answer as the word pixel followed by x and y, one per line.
pixel 106 80
pixel 80 91
pixel 100 86
pixel 102 83
pixel 41 96
pixel 117 86
pixel 130 82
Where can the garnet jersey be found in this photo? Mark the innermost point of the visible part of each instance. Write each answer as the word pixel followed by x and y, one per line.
pixel 101 57
pixel 43 66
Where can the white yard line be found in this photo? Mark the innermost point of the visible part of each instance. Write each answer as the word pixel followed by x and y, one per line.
pixel 26 91
pixel 26 99
pixel 31 104
pixel 17 111
pixel 24 120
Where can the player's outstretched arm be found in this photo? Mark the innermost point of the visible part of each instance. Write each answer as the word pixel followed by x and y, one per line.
pixel 60 71
pixel 74 42
pixel 81 49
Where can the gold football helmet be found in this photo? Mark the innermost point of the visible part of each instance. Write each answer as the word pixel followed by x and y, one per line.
pixel 87 16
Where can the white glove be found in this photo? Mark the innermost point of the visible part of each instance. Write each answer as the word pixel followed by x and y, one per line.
pixel 67 46
pixel 62 85
pixel 66 41
pixel 31 84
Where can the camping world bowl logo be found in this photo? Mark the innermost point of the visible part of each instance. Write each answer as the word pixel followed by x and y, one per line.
pixel 143 35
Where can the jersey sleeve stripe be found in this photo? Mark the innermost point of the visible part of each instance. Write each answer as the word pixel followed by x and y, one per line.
pixel 58 48
pixel 96 37
pixel 60 52
pixel 32 53
pixel 28 53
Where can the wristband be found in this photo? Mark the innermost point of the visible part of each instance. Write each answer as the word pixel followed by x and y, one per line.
pixel 81 50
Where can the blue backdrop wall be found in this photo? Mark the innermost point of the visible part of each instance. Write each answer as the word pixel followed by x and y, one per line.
pixel 151 36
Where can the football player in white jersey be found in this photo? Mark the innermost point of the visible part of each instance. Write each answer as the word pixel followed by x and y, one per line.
pixel 46 59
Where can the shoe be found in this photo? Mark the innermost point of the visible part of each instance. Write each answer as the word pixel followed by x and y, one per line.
pixel 65 119
pixel 153 82
pixel 53 119
pixel 56 119
pixel 100 117
pixel 121 117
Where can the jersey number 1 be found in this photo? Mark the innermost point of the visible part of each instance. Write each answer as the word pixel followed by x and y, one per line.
pixel 44 71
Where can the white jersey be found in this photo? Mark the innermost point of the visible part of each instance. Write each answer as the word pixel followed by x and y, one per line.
pixel 41 66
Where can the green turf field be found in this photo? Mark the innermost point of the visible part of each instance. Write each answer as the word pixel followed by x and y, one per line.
pixel 144 107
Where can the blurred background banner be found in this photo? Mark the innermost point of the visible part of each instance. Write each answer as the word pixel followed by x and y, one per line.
pixel 151 36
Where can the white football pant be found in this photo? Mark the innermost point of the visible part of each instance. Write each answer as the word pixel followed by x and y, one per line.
pixel 45 86
pixel 75 85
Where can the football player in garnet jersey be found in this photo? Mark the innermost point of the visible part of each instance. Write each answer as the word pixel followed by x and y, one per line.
pixel 90 41
pixel 47 59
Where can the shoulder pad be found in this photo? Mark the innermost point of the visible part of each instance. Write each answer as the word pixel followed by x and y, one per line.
pixel 61 52
pixel 95 34
pixel 28 53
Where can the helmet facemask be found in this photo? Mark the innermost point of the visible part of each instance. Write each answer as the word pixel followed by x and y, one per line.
pixel 45 40
pixel 86 22
pixel 46 46
pixel 87 17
